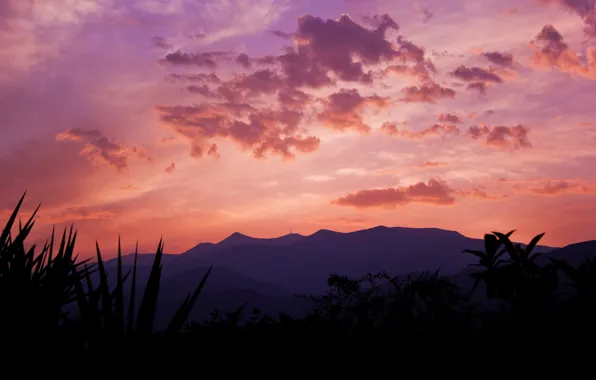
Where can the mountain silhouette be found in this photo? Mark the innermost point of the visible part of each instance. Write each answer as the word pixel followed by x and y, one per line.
pixel 264 273
pixel 303 263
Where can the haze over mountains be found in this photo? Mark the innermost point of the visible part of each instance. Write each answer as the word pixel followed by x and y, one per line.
pixel 265 273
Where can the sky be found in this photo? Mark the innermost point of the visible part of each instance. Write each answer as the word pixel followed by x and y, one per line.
pixel 193 119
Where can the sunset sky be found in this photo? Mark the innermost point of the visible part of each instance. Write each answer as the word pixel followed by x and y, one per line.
pixel 193 119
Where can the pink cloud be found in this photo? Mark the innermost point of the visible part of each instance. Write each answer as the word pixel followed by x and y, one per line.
pixel 550 51
pixel 426 93
pixel 343 110
pixel 276 132
pixel 501 136
pixel 101 149
pixel 440 130
pixel 170 168
pixel 435 192
pixel 586 9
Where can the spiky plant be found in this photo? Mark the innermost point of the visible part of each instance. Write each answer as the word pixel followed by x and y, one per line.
pixel 35 286
pixel 105 320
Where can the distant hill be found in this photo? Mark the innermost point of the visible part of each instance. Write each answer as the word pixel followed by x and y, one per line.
pixel 300 263
pixel 265 273
pixel 303 263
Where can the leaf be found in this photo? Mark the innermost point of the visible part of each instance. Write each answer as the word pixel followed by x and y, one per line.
pixel 131 305
pixel 185 309
pixel 149 300
pixel 533 243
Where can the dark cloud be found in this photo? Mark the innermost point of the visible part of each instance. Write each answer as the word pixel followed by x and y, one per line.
pixel 343 110
pixel 244 60
pixel 200 90
pixel 265 81
pixel 206 59
pixel 501 136
pixel 341 46
pixel 435 192
pixel 263 132
pixel 292 98
pixel 477 78
pixel 501 59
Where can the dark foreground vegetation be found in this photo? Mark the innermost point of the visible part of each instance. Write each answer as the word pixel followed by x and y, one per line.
pixel 531 303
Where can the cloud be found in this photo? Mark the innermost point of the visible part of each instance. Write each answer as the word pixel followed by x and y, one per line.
pixel 73 214
pixel 437 130
pixel 31 32
pixel 477 78
pixel 431 164
pixel 557 187
pixel 206 59
pixel 343 110
pixel 551 187
pixel 479 193
pixel 563 187
pixel 292 98
pixel 244 60
pixel 161 43
pixel 200 77
pixel 426 93
pixel 274 132
pixel 101 149
pixel 435 192
pixel 265 81
pixel 426 13
pixel 586 9
pixel 419 72
pixel 501 136
pixel 280 34
pixel 550 51
pixel 502 59
pixel 339 46
pixel 170 168
pixel 449 118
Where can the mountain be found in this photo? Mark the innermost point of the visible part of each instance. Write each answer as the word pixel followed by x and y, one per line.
pixel 303 263
pixel 265 273
pixel 576 253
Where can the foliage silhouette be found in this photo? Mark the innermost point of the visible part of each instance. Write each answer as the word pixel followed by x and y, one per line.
pixel 35 289
pixel 426 311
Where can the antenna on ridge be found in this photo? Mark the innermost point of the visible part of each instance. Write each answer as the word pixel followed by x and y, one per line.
pixel 290 231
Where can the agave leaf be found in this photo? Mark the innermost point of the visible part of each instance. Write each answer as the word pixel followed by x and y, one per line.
pixel 11 220
pixel 479 254
pixel 118 293
pixel 185 309
pixel 131 305
pixel 533 243
pixel 504 238
pixel 149 301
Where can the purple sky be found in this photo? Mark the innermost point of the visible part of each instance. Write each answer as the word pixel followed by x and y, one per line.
pixel 194 119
